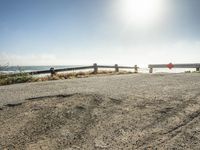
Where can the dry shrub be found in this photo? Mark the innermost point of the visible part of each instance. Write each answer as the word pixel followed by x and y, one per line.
pixel 24 77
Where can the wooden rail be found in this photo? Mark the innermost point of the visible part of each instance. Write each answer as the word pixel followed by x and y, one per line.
pixel 170 66
pixel 95 67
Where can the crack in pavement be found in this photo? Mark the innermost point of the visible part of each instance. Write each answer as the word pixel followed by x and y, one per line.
pixel 52 96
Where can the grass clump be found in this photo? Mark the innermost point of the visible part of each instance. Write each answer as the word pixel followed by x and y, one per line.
pixel 6 79
pixel 196 71
pixel 188 71
pixel 192 71
pixel 63 76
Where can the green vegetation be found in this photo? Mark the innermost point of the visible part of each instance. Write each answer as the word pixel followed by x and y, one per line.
pixel 6 79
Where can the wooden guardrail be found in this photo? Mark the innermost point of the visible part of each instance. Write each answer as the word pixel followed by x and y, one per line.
pixel 170 66
pixel 95 67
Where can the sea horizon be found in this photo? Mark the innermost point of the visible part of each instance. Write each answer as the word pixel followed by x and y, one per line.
pixel 33 68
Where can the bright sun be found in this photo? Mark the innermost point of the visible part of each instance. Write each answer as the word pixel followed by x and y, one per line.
pixel 141 11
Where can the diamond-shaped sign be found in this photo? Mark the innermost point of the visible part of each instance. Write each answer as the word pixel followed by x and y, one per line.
pixel 170 65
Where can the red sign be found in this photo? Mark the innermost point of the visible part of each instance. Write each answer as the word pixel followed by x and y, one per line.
pixel 170 65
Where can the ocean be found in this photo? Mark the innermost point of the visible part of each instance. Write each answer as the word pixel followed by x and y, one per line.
pixel 16 69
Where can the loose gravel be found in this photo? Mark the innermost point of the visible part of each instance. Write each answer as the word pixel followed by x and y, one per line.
pixel 138 111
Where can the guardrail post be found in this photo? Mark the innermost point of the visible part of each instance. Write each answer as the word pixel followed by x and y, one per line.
pixel 52 71
pixel 95 68
pixel 116 68
pixel 136 69
pixel 197 69
pixel 150 70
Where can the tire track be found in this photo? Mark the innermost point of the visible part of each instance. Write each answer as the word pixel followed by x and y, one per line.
pixel 174 131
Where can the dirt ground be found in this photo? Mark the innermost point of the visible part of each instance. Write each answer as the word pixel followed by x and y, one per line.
pixel 96 121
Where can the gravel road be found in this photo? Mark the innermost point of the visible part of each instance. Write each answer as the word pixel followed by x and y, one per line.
pixel 134 111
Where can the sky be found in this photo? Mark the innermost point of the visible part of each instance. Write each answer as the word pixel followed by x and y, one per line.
pixel 83 32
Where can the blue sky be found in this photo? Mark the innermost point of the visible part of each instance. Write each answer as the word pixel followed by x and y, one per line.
pixel 80 32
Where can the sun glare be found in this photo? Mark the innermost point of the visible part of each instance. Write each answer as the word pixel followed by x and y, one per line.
pixel 141 11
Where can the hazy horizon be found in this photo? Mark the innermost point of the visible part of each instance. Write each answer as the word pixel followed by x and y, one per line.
pixel 83 32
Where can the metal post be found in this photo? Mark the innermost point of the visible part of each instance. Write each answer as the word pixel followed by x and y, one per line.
pixel 136 69
pixel 150 70
pixel 116 68
pixel 52 71
pixel 95 68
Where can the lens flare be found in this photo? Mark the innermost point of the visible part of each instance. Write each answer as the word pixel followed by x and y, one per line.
pixel 141 11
